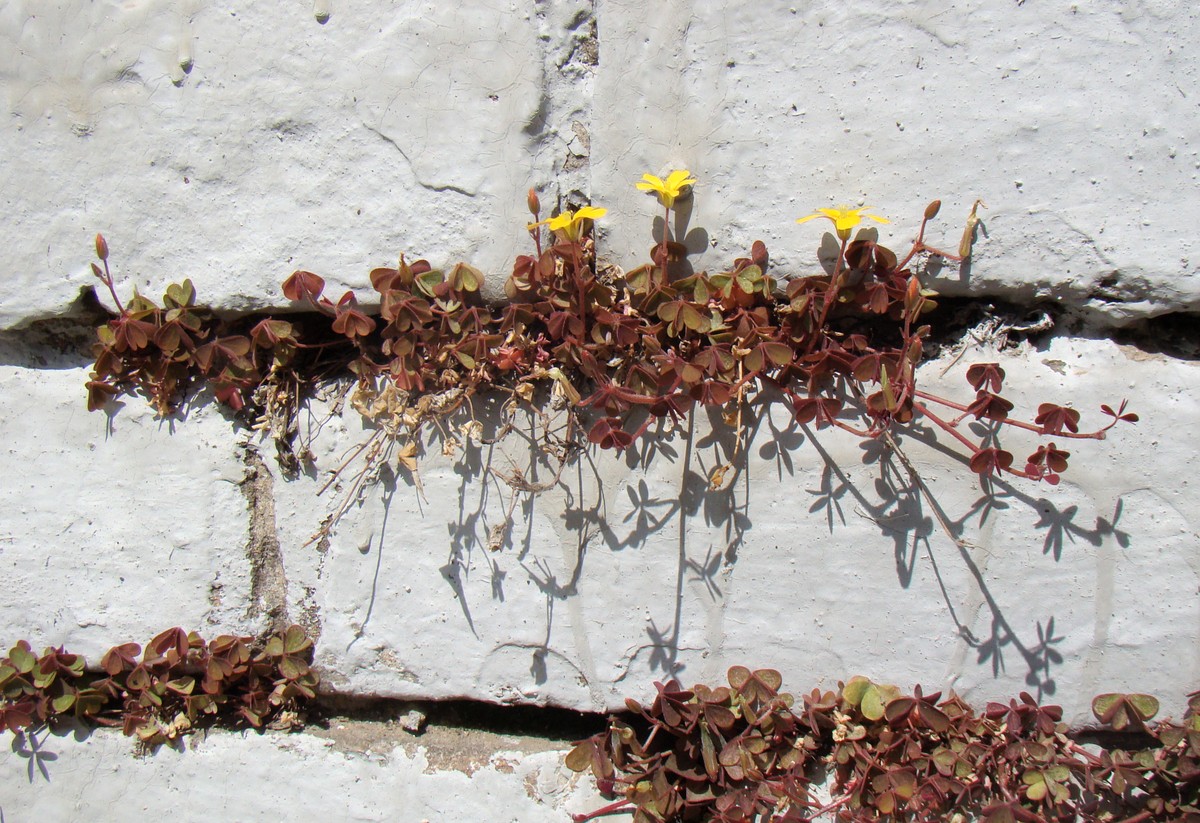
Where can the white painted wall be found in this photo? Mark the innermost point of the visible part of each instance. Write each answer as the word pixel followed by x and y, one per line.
pixel 286 142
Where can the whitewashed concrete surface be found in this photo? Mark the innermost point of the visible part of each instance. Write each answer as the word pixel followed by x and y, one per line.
pixel 815 561
pixel 112 530
pixel 233 145
pixel 268 777
pixel 1075 122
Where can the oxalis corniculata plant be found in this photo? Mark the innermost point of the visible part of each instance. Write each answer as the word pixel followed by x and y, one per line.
pixel 179 683
pixel 748 753
pixel 623 354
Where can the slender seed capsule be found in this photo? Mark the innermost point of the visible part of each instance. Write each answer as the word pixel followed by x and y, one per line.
pixel 968 238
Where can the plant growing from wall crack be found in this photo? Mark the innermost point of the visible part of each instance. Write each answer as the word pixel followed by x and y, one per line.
pixel 620 353
pixel 178 683
pixel 749 753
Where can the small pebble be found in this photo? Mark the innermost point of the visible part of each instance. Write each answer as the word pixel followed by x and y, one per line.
pixel 413 722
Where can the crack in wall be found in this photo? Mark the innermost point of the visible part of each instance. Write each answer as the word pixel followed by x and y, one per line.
pixel 429 186
pixel 570 49
pixel 268 580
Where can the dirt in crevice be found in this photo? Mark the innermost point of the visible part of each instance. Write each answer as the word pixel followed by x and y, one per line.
pixel 446 748
pixel 455 735
pixel 268 580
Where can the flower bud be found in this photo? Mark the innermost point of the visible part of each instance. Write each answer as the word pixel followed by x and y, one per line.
pixel 531 200
pixel 101 247
pixel 932 209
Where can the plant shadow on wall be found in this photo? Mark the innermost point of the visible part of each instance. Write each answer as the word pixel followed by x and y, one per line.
pixel 580 359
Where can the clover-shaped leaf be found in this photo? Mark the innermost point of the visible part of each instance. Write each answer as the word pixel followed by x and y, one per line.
pixel 22 657
pixel 180 295
pixel 428 282
pixel 464 278
pixel 1122 711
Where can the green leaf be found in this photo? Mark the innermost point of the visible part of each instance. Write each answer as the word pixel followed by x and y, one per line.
pixel 748 278
pixel 138 679
pixel 945 760
pixel 22 658
pixel 1102 704
pixel 428 281
pixel 182 685
pixel 296 640
pixel 778 353
pixel 63 702
pixel 872 706
pixel 889 397
pixel 738 676
pixel 1145 705
pixel 89 702
pixel 138 304
pixel 854 691
pixel 180 295
pixel 306 684
pixel 754 360
pixel 292 667
pixel 708 753
pixel 465 278
pixel 721 282
pixel 693 319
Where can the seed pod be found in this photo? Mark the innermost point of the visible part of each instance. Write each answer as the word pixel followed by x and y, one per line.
pixel 101 247
pixel 968 238
pixel 932 209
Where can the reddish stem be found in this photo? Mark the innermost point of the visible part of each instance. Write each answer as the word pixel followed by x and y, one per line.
pixel 615 807
pixel 108 281
pixel 662 247
pixel 831 294
pixel 1008 421
pixel 923 409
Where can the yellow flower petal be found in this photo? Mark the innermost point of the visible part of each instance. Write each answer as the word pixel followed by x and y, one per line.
pixel 570 222
pixel 651 183
pixel 562 221
pixel 679 178
pixel 667 190
pixel 844 219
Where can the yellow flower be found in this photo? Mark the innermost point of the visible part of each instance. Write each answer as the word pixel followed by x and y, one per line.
pixel 670 189
pixel 570 223
pixel 844 219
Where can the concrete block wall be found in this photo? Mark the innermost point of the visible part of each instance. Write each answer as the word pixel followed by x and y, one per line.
pixel 234 145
